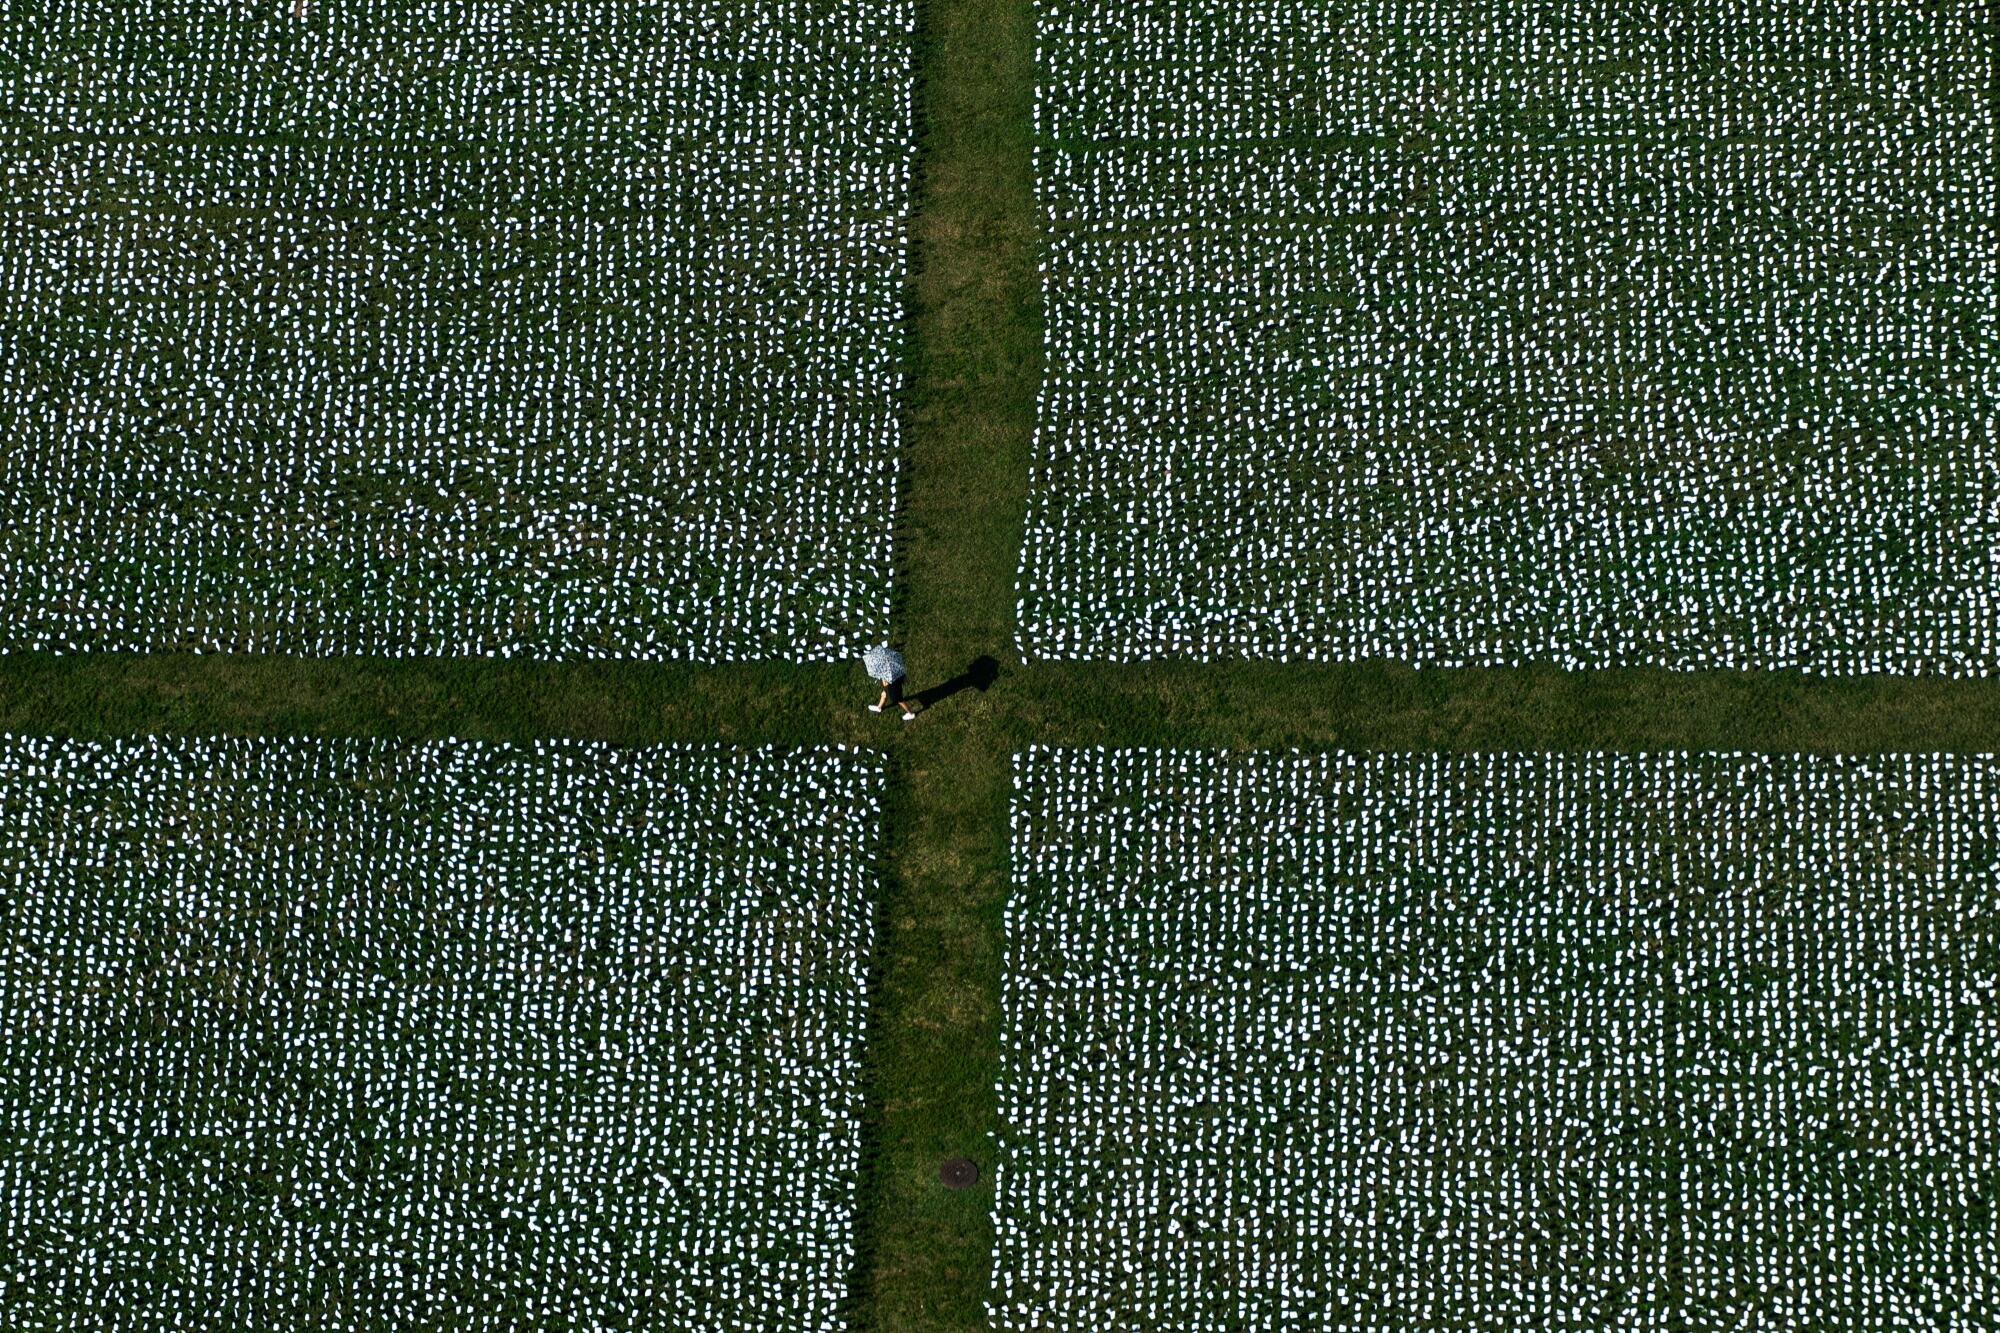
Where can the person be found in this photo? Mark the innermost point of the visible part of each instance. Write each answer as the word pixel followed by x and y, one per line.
pixel 892 690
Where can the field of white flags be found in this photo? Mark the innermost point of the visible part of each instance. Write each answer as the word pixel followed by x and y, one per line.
pixel 360 1034
pixel 1480 334
pixel 408 327
pixel 1669 1041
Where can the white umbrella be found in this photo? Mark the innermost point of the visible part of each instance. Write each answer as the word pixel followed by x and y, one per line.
pixel 883 663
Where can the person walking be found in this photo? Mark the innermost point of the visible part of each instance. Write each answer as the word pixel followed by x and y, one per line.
pixel 885 666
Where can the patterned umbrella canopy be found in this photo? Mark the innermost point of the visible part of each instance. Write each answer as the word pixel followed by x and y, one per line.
pixel 883 663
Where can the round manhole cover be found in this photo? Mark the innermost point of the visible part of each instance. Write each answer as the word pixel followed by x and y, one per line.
pixel 959 1172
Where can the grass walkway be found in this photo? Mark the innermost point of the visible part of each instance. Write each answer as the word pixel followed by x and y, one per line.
pixel 974 363
pixel 1373 706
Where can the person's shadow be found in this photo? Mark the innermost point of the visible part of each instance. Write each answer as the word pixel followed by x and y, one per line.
pixel 980 676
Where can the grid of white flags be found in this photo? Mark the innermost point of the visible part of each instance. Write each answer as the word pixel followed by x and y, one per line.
pixel 347 1034
pixel 1488 333
pixel 468 327
pixel 1664 1041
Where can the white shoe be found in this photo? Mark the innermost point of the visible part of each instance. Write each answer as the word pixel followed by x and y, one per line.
pixel 909 717
pixel 874 708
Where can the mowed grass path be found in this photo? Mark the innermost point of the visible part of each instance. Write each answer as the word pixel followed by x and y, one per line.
pixel 974 361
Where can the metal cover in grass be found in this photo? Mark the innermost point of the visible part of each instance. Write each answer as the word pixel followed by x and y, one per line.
pixel 1495 1042
pixel 360 1034
pixel 415 327
pixel 1501 332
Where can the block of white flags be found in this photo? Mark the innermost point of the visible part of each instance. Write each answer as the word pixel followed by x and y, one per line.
pixel 1579 332
pixel 1497 1041
pixel 381 1034
pixel 557 331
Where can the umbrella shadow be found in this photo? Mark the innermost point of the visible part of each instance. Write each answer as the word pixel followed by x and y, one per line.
pixel 979 675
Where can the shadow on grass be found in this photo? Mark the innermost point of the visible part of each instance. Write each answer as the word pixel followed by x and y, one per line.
pixel 978 675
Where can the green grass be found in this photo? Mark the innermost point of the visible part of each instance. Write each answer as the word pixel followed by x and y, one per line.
pixel 1697 1020
pixel 1236 705
pixel 412 1034
pixel 365 333
pixel 1431 295
pixel 974 363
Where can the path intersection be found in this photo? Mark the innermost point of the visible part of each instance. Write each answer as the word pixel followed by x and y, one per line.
pixel 974 361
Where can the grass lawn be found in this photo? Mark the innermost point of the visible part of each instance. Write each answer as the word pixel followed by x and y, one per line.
pixel 974 355
pixel 399 1034
pixel 558 330
pixel 1498 334
pixel 1495 1041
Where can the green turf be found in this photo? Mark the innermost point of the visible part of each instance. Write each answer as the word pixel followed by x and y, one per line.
pixel 974 364
pixel 415 1034
pixel 1596 335
pixel 1614 990
pixel 1238 705
pixel 364 332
